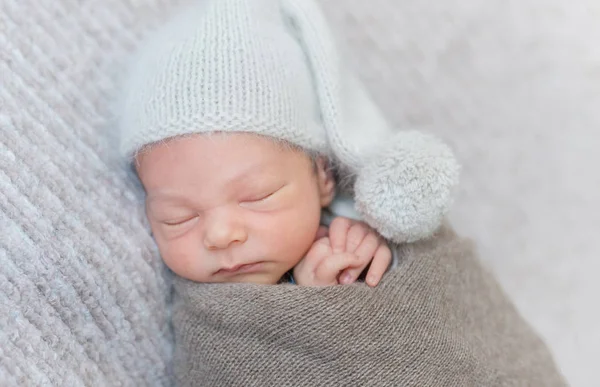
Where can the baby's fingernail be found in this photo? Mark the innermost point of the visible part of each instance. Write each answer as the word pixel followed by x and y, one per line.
pixel 347 278
pixel 371 280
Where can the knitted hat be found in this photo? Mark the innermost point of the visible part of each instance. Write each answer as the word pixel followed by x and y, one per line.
pixel 272 67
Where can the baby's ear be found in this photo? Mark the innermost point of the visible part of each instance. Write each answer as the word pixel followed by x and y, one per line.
pixel 325 180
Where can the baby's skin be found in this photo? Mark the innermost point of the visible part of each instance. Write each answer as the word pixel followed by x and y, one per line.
pixel 240 207
pixel 341 253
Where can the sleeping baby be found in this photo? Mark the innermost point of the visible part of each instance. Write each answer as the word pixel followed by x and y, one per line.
pixel 239 207
pixel 266 163
pixel 240 119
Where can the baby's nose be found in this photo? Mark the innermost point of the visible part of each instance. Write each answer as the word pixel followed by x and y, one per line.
pixel 223 229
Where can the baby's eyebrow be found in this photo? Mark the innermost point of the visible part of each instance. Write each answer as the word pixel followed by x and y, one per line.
pixel 250 169
pixel 252 173
pixel 162 196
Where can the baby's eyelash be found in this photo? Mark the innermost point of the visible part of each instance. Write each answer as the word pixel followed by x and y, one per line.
pixel 180 222
pixel 263 196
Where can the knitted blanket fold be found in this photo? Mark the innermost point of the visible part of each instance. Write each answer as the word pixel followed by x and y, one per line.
pixel 439 319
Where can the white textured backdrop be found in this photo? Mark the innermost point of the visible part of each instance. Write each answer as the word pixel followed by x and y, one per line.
pixel 514 86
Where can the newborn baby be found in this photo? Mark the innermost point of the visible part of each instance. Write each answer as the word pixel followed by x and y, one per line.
pixel 240 116
pixel 245 208
pixel 244 127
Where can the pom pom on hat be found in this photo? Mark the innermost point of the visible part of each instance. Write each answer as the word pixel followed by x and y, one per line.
pixel 403 181
pixel 272 67
pixel 405 191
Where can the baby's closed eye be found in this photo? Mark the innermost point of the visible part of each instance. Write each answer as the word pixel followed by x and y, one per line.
pixel 261 197
pixel 180 221
pixel 171 217
pixel 175 225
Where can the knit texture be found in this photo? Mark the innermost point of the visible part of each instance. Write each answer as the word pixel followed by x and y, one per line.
pixel 513 86
pixel 226 65
pixel 439 319
pixel 273 67
pixel 83 292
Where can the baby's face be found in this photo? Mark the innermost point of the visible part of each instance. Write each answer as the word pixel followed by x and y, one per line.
pixel 232 207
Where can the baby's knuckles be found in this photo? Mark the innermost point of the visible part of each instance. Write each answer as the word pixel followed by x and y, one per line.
pixel 356 234
pixel 340 223
pixel 305 271
pixel 321 248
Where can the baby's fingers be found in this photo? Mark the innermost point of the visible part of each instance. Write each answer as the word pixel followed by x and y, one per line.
pixel 338 231
pixel 356 234
pixel 329 269
pixel 365 253
pixel 319 250
pixel 380 263
pixel 305 270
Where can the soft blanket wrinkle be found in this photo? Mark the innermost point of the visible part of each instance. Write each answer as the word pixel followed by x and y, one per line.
pixel 438 319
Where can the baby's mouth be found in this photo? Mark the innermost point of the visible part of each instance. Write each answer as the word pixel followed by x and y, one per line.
pixel 241 268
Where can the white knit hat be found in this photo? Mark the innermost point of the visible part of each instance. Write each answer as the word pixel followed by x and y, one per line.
pixel 272 67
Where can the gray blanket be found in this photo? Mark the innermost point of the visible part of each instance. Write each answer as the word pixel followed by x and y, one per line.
pixel 439 319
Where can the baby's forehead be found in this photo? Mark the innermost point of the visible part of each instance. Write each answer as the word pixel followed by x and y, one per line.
pixel 232 155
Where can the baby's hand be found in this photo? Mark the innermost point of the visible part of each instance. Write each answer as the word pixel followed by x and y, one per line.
pixel 320 267
pixel 358 238
pixel 340 256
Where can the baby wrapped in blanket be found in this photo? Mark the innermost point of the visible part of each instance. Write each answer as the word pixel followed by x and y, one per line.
pixel 244 124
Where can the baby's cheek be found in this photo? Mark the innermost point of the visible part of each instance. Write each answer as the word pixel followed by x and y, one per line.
pixel 182 258
pixel 295 235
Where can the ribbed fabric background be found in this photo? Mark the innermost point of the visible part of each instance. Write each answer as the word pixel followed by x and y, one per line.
pixel 514 86
pixel 83 296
